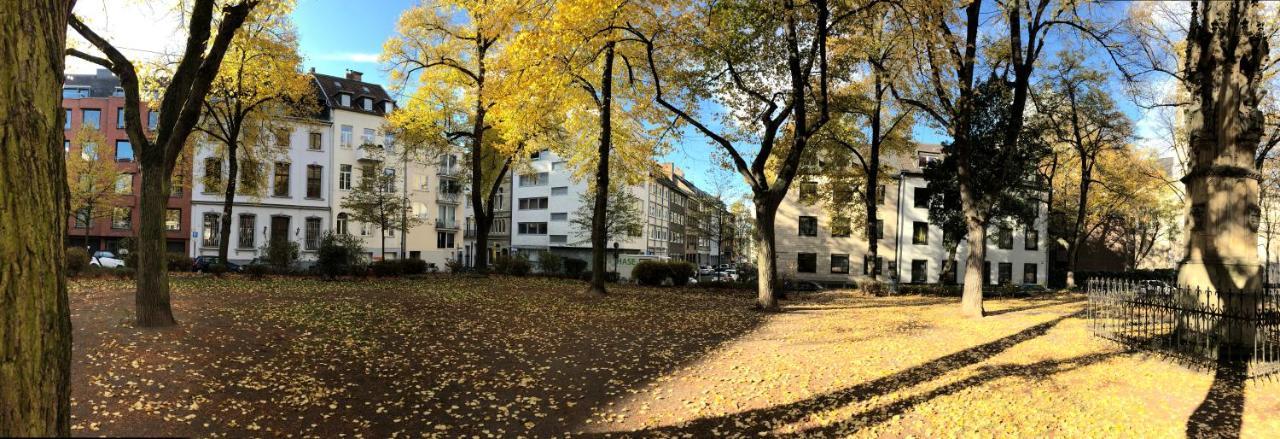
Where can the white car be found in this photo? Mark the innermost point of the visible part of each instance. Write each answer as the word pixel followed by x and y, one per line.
pixel 729 275
pixel 106 260
pixel 705 270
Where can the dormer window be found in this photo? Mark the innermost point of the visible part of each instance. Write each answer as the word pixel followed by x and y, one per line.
pixel 118 92
pixel 926 159
pixel 344 100
pixel 367 104
pixel 387 106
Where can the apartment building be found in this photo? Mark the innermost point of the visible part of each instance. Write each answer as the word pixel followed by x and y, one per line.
pixel 546 198
pixel 292 203
pixel 813 245
pixel 96 101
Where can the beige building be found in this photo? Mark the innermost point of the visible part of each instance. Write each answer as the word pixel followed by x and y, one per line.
pixel 810 246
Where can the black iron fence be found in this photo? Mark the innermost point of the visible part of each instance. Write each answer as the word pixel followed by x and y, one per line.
pixel 1198 326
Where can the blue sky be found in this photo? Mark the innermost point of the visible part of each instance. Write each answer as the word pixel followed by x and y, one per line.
pixel 336 36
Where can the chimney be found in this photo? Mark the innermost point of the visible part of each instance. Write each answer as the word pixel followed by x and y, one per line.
pixel 354 75
pixel 312 70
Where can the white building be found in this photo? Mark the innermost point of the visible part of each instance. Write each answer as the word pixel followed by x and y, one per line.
pixel 294 203
pixel 810 246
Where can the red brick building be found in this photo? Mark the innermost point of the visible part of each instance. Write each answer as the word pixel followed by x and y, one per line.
pixel 97 100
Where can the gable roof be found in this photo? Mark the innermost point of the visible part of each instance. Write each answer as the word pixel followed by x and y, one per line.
pixel 331 86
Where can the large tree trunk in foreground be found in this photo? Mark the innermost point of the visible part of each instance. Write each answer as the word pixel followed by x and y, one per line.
pixel 599 238
pixel 974 276
pixel 35 323
pixel 1228 47
pixel 152 300
pixel 766 255
pixel 228 201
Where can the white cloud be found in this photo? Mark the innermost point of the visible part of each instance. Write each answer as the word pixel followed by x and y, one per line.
pixel 349 57
pixel 143 31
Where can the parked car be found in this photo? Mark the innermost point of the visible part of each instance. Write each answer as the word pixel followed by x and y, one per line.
pixel 727 276
pixel 106 260
pixel 705 270
pixel 723 267
pixel 201 264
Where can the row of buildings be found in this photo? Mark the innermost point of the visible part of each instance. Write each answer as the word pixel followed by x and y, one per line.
pixel 321 157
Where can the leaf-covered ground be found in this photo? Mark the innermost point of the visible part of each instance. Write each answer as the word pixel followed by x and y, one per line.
pixel 464 357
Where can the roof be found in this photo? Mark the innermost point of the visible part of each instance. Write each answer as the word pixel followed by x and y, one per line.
pixel 101 83
pixel 331 86
pixel 910 163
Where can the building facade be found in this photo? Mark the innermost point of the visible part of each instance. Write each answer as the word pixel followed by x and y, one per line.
pixel 812 245
pixel 96 102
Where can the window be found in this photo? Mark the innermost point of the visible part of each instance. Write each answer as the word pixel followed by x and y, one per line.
pixel 172 219
pixel 559 239
pixel 82 218
pixel 880 194
pixel 118 92
pixel 558 166
pixel 538 179
pixel 344 177
pixel 66 118
pixel 444 239
pixel 347 136
pixel 1032 240
pixel 119 117
pixel 91 118
pixel 919 271
pixel 340 225
pixel 124 151
pixel 314 141
pixel 176 185
pixel 1029 273
pixel 73 92
pixel 539 203
pixel 312 227
pixel 499 226
pixel 209 230
pixel 344 99
pixel 88 151
pixel 808 191
pixel 420 182
pixel 248 224
pixel 153 119
pixel 1004 238
pixel 806 262
pixel 921 197
pixel 879 229
pixel 280 182
pixel 367 104
pixel 926 159
pixel 1006 273
pixel 415 254
pixel 532 228
pixel 808 226
pixel 948 272
pixel 560 216
pixel 391 180
pixel 366 138
pixel 841 196
pixel 920 233
pixel 840 264
pixel 314 172
pixel 124 184
pixel 560 190
pixel 446 216
pixel 869 266
pixel 537 155
pixel 212 174
pixel 840 227
pixel 389 142
pixel 122 218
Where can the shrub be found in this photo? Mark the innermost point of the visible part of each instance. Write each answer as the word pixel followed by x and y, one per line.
pixel 550 263
pixel 501 264
pixel 609 276
pixel 518 265
pixel 77 260
pixel 413 266
pixel 651 273
pixel 455 266
pixel 217 270
pixel 360 269
pixel 257 271
pixel 930 290
pixel 875 288
pixel 337 254
pixel 575 267
pixel 386 268
pixel 124 272
pixel 281 253
pixel 130 258
pixel 179 262
pixel 681 271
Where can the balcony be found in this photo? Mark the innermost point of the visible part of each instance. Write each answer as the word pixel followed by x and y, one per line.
pixel 369 152
pixel 470 234
pixel 446 225
pixel 448 197
pixel 454 172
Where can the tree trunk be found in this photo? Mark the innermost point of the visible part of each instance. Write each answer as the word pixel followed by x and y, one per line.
pixel 152 300
pixel 766 256
pixel 599 238
pixel 1077 229
pixel 35 323
pixel 88 224
pixel 228 200
pixel 974 277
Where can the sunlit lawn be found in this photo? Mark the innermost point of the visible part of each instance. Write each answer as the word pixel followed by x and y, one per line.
pixel 452 356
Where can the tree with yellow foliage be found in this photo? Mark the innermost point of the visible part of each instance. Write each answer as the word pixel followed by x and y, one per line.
pixel 259 87
pixel 91 178
pixel 473 92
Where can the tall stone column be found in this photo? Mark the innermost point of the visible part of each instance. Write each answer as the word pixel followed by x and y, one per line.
pixel 1226 51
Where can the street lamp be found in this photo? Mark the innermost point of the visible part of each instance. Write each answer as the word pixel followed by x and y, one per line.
pixel 615 257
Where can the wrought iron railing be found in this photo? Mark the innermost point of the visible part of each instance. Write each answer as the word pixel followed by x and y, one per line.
pixel 1197 326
